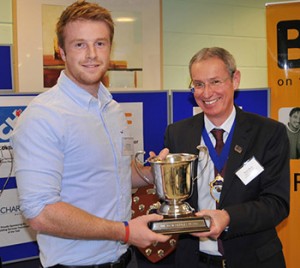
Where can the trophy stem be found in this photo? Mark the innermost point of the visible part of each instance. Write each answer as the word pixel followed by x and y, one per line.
pixel 175 209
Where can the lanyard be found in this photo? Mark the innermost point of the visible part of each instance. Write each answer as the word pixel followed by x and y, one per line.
pixel 218 160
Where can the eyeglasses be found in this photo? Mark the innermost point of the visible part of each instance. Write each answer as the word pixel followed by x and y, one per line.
pixel 213 83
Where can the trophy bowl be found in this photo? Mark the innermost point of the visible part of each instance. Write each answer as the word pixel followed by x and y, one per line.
pixel 174 183
pixel 173 180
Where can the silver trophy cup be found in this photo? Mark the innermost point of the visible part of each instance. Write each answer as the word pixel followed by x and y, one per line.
pixel 174 180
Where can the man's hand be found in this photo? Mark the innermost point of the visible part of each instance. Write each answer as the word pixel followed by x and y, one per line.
pixel 137 179
pixel 140 234
pixel 162 154
pixel 219 221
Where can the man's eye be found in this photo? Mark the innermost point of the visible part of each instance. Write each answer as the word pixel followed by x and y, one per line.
pixel 79 45
pixel 216 82
pixel 199 84
pixel 100 44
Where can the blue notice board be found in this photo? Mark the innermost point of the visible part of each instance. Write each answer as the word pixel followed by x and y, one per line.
pixel 251 100
pixel 6 78
pixel 155 115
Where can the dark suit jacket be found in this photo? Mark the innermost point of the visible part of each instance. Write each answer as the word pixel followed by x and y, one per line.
pixel 255 209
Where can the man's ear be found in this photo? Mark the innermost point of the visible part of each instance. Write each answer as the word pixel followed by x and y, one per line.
pixel 236 79
pixel 62 54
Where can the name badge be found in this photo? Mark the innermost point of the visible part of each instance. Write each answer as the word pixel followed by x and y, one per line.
pixel 250 170
pixel 127 146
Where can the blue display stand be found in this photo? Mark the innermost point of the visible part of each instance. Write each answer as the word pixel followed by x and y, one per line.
pixel 156 117
pixel 6 78
pixel 251 100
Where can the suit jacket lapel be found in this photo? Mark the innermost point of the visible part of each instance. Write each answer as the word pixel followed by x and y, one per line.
pixel 194 134
pixel 194 137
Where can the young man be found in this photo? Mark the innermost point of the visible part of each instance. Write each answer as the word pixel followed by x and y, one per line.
pixel 73 173
pixel 245 188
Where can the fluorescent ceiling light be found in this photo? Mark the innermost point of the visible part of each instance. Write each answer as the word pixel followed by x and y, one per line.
pixel 125 19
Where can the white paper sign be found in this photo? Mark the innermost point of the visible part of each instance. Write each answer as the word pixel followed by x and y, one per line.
pixel 13 228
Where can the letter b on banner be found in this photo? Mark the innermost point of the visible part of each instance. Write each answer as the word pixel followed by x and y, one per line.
pixel 284 44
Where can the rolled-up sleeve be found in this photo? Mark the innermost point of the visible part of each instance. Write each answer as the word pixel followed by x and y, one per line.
pixel 37 160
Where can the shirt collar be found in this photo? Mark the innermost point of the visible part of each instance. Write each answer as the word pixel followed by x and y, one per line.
pixel 80 95
pixel 226 125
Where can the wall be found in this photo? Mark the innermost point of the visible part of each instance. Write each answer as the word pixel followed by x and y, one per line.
pixel 237 25
pixel 189 25
pixel 6 36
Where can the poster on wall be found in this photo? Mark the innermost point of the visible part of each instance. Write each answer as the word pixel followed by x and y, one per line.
pixel 137 35
pixel 126 62
pixel 283 52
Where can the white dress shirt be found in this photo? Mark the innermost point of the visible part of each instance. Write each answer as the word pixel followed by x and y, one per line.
pixel 206 174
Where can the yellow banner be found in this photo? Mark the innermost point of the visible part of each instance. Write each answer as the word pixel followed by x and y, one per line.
pixel 283 51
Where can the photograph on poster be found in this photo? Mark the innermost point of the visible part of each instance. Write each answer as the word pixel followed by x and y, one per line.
pixel 290 116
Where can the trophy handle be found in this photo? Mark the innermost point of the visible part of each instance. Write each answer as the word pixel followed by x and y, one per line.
pixel 204 150
pixel 136 162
